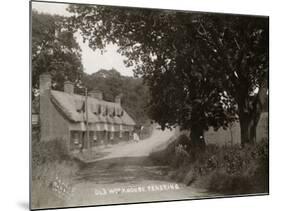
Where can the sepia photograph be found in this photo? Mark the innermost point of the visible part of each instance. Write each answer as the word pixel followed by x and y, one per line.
pixel 137 105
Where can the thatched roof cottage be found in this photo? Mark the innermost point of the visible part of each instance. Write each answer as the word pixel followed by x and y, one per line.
pixel 66 116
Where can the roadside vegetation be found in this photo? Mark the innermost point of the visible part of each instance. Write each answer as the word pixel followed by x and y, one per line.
pixel 219 169
pixel 52 169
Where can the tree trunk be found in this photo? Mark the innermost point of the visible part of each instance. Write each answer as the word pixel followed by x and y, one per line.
pixel 197 138
pixel 248 129
pixel 231 134
pixel 250 109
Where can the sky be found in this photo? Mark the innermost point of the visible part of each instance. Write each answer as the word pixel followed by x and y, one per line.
pixel 92 60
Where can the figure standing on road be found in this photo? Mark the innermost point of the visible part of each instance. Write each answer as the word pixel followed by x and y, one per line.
pixel 136 137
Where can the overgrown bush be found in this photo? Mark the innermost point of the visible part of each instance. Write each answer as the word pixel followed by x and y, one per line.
pixel 52 169
pixel 49 151
pixel 168 155
pixel 220 169
pixel 242 170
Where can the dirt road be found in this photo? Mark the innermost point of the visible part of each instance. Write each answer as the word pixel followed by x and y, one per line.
pixel 142 148
pixel 127 175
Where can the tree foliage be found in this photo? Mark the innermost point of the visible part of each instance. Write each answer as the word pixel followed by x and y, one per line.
pixel 54 50
pixel 202 70
pixel 237 48
pixel 111 83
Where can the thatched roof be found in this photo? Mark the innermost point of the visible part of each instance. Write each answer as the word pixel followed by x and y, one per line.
pixel 99 111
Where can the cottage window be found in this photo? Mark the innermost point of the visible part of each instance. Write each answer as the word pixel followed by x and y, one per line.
pixel 94 136
pixel 90 135
pixel 80 106
pixel 120 112
pixel 111 111
pixel 76 138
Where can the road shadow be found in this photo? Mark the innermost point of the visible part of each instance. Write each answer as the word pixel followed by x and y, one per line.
pixel 120 161
pixel 124 169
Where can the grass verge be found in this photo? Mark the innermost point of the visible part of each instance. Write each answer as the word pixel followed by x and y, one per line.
pixel 220 169
pixel 52 170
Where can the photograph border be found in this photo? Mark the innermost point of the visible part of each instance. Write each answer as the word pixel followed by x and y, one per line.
pixel 146 202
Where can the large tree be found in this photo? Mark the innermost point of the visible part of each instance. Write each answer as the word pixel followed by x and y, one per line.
pixel 237 49
pixel 54 50
pixel 191 78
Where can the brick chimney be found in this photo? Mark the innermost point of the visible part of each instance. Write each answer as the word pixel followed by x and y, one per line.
pixel 118 98
pixel 45 87
pixel 96 94
pixel 45 82
pixel 68 87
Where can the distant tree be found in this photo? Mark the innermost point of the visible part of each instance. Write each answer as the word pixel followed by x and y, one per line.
pixel 189 61
pixel 107 81
pixel 54 50
pixel 112 83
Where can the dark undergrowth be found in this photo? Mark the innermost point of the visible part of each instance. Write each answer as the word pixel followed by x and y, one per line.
pixel 219 169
